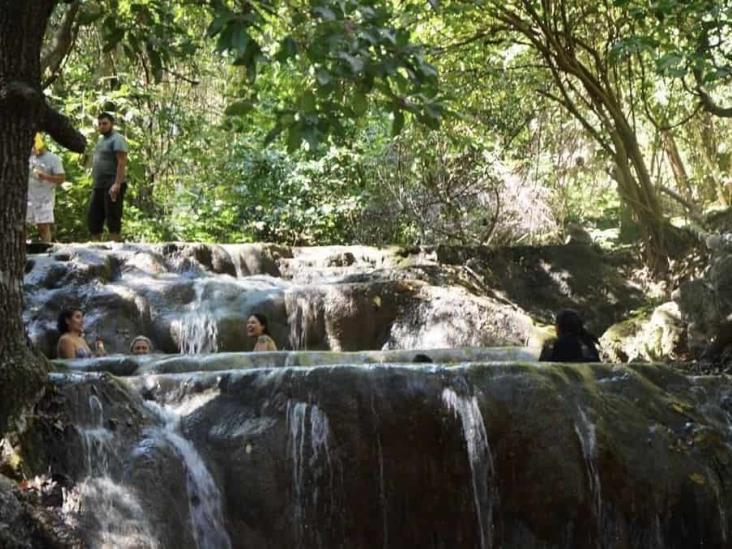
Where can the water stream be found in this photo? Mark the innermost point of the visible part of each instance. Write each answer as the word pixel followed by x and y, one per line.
pixel 196 329
pixel 587 436
pixel 364 456
pixel 110 509
pixel 204 497
pixel 485 494
pixel 311 467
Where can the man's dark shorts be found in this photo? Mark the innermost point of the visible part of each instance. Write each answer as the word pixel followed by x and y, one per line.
pixel 102 208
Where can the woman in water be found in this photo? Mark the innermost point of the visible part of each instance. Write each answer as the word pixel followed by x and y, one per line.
pixel 141 345
pixel 72 344
pixel 257 327
pixel 573 342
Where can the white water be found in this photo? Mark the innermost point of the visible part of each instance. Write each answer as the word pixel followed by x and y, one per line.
pixel 204 497
pixel 118 521
pixel 586 434
pixel 304 315
pixel 310 463
pixel 485 492
pixel 196 330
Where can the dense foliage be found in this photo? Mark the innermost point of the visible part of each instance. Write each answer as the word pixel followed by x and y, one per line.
pixel 329 121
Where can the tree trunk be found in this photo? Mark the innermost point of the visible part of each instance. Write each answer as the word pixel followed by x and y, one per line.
pixel 716 177
pixel 22 25
pixel 677 165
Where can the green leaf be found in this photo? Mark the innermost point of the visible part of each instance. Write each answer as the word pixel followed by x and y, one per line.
pixel 239 107
pixel 89 14
pixel 397 124
pixel 324 13
pixel 288 49
pixel 272 134
pixel 239 40
pixel 252 73
pixel 359 103
pixel 323 77
pixel 307 101
pixel 355 63
pixel 218 23
pixel 294 138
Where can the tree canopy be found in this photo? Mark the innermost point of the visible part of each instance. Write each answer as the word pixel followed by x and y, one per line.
pixel 337 121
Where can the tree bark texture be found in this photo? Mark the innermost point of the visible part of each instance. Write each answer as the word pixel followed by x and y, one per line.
pixel 22 26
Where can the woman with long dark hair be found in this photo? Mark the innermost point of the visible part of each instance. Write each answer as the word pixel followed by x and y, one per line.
pixel 573 343
pixel 257 326
pixel 72 344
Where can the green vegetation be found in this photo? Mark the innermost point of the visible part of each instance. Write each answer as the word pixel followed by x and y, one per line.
pixel 490 122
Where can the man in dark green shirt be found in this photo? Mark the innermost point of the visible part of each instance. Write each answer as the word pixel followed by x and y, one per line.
pixel 108 176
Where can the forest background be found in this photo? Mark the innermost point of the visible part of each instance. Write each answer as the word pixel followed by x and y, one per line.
pixel 508 122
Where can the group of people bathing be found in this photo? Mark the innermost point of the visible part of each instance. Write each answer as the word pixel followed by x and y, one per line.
pixel 71 343
pixel 573 343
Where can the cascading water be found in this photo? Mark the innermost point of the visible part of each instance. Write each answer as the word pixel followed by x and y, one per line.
pixel 304 308
pixel 586 433
pixel 311 464
pixel 111 510
pixel 399 456
pixel 485 493
pixel 197 330
pixel 204 497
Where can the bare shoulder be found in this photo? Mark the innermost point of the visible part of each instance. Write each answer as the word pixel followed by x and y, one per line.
pixel 265 343
pixel 65 348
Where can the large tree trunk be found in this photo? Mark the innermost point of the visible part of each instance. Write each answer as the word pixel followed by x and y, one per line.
pixel 23 110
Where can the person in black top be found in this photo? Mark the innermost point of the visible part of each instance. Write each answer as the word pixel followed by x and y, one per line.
pixel 573 343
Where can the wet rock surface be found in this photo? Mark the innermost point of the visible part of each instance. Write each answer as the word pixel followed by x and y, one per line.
pixel 197 297
pixel 389 455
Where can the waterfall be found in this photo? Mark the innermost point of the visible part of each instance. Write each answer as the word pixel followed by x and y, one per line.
pixel 116 516
pixel 586 434
pixel 204 498
pixel 485 493
pixel 308 423
pixel 196 330
pixel 304 308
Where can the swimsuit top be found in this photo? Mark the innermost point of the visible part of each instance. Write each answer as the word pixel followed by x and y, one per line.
pixel 82 353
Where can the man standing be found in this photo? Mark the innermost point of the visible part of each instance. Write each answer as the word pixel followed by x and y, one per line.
pixel 108 176
pixel 46 171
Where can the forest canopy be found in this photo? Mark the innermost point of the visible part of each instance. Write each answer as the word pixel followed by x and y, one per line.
pixel 478 123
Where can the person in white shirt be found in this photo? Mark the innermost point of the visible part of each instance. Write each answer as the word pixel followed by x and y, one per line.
pixel 45 173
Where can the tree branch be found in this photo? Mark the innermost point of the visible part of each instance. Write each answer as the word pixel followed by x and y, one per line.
pixel 691 208
pixel 63 40
pixel 709 104
pixel 59 127
pixel 16 92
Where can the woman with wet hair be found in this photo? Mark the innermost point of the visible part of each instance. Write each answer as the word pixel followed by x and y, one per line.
pixel 257 327
pixel 72 344
pixel 573 343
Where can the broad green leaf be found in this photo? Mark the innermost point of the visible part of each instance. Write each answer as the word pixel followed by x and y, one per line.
pixel 239 107
pixel 397 123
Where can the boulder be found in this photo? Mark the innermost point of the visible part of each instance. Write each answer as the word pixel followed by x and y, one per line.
pixel 706 303
pixel 658 337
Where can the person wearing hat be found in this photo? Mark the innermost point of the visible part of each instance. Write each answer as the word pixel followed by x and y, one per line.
pixel 45 173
